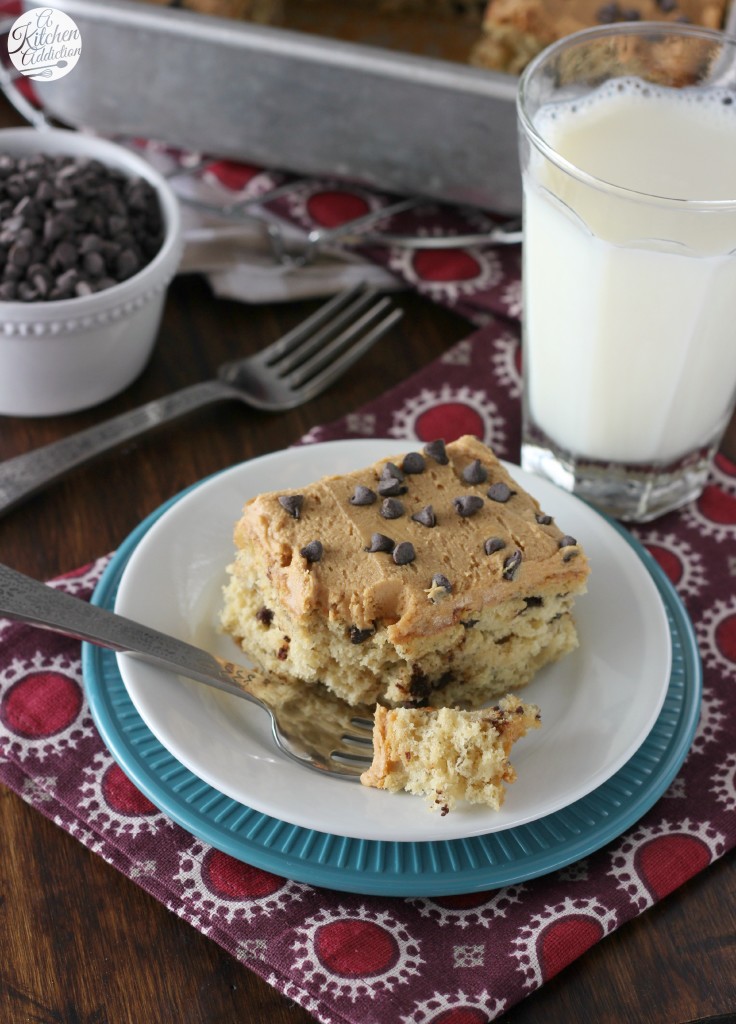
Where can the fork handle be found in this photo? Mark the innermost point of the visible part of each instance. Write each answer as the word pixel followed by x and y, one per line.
pixel 26 600
pixel 24 475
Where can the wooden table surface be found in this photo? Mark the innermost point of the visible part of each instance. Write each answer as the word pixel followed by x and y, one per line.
pixel 80 942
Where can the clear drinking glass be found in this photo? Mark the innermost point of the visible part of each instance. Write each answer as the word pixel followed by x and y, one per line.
pixel 628 159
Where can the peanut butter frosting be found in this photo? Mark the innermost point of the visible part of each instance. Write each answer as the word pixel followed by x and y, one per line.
pixel 416 542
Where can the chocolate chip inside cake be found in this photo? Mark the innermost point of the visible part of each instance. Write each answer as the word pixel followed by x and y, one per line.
pixel 457 605
pixel 449 755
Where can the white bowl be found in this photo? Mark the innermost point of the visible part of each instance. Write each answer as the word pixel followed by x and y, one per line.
pixel 60 356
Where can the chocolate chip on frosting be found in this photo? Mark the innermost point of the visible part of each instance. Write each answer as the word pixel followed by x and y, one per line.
pixel 392 508
pixel 363 496
pixel 475 473
pixel 436 450
pixel 467 505
pixel 404 553
pixel 568 542
pixel 390 486
pixel 312 551
pixel 499 492
pixel 413 462
pixel 511 565
pixel 390 469
pixel 425 516
pixel 293 503
pixel 439 588
pixel 493 544
pixel 380 542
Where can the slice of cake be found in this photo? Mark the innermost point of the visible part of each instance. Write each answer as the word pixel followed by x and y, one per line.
pixel 430 577
pixel 448 755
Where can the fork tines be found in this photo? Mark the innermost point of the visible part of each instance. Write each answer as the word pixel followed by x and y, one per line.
pixel 355 748
pixel 327 343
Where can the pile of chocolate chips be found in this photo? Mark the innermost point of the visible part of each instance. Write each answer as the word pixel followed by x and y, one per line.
pixel 70 227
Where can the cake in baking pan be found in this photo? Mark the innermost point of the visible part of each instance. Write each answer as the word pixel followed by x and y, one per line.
pixel 500 35
pixel 514 31
pixel 429 578
pixel 266 12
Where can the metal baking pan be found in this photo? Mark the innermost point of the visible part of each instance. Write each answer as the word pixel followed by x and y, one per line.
pixel 291 100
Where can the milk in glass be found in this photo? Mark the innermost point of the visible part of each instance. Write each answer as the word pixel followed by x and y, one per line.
pixel 630 289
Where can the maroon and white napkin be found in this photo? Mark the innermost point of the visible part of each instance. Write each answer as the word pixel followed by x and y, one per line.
pixel 362 960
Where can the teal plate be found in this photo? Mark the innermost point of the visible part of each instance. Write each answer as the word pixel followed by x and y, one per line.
pixel 382 868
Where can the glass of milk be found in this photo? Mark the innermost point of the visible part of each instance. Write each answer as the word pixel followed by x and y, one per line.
pixel 628 158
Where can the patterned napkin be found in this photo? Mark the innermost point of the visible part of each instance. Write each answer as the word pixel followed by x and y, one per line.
pixel 348 958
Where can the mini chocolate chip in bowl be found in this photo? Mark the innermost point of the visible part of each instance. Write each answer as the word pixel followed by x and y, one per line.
pixel 91 237
pixel 78 227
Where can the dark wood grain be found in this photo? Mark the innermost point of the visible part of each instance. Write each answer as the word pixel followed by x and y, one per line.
pixel 81 944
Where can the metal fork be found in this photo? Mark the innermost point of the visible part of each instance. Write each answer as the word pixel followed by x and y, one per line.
pixel 291 371
pixel 309 726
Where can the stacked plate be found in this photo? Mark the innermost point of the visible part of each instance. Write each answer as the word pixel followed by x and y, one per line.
pixel 619 714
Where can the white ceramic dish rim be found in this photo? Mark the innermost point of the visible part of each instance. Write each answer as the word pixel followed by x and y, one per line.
pixel 18 141
pixel 598 704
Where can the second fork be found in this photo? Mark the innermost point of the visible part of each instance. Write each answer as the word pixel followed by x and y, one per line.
pixel 292 370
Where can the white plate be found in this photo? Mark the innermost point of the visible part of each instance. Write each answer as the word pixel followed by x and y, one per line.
pixel 598 704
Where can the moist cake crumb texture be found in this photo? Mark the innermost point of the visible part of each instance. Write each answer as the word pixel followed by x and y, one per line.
pixel 449 755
